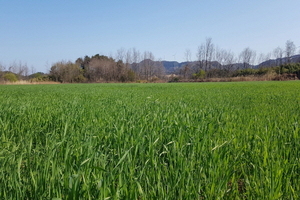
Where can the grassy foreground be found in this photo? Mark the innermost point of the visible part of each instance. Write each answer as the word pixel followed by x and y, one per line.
pixel 150 141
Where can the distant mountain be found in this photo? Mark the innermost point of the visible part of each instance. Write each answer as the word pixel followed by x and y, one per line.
pixel 174 66
pixel 275 62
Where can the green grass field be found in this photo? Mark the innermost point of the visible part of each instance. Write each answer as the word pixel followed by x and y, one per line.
pixel 150 141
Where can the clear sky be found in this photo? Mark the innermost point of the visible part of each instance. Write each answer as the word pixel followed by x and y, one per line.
pixel 40 33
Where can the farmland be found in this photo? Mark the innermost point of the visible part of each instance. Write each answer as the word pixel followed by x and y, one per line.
pixel 150 141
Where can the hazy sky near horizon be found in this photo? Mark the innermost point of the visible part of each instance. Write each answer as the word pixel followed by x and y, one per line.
pixel 40 33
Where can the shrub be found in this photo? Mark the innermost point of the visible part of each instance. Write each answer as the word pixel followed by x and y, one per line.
pixel 245 72
pixel 38 77
pixel 174 79
pixel 199 75
pixel 10 77
pixel 292 67
pixel 263 71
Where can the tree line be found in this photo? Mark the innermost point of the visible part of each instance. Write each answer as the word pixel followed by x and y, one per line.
pixel 132 65
pixel 212 61
pixel 128 66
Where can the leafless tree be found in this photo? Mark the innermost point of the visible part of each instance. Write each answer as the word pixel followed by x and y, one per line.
pixel 135 60
pixel 268 56
pixel 205 55
pixel 220 55
pixel 23 70
pixel 13 67
pixel 149 69
pixel 33 70
pixel 225 59
pixel 187 67
pixel 263 58
pixel 105 69
pixel 159 71
pixel 229 61
pixel 278 54
pixel 247 57
pixel 188 55
pixel 121 55
pixel 2 67
pixel 66 72
pixel 128 58
pixel 290 49
pixel 209 50
pixel 20 69
pixel 102 69
pixel 201 58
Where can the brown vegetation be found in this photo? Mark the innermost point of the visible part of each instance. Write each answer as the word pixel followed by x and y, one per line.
pixel 26 82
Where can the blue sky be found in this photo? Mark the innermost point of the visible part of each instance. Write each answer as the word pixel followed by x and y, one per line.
pixel 40 33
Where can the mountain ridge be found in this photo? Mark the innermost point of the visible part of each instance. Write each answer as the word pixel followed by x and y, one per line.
pixel 174 66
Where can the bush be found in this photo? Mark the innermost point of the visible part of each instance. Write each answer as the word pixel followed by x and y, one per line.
pixel 10 77
pixel 293 68
pixel 174 79
pixel 263 71
pixel 80 79
pixel 220 73
pixel 245 72
pixel 38 77
pixel 199 75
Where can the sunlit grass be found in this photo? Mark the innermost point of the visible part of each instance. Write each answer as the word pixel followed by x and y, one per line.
pixel 150 141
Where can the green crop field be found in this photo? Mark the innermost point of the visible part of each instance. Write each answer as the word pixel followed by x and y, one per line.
pixel 150 141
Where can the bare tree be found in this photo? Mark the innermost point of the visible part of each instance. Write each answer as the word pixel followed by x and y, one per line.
pixel 136 59
pixel 263 58
pixel 226 60
pixel 220 55
pixel 33 70
pixel 247 57
pixel 128 58
pixel 150 69
pixel 2 67
pixel 201 58
pixel 278 54
pixel 268 56
pixel 290 49
pixel 229 61
pixel 13 68
pixel 159 71
pixel 23 70
pixel 187 67
pixel 209 50
pixel 148 65
pixel 102 68
pixel 121 55
pixel 66 72
pixel 20 69
pixel 205 56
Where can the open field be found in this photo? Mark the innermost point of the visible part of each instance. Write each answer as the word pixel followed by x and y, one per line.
pixel 150 141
